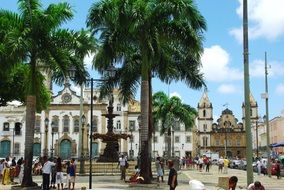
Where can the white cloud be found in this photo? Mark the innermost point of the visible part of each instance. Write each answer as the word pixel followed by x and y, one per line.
pixel 215 61
pixel 175 94
pixel 280 90
pixel 227 89
pixel 274 69
pixel 265 17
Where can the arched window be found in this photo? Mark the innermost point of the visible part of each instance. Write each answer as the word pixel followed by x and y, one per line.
pixel 66 124
pixel 204 113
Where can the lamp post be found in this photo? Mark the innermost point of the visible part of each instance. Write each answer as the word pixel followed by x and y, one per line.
pixel 46 122
pixel 82 156
pixel 52 135
pixel 110 72
pixel 131 140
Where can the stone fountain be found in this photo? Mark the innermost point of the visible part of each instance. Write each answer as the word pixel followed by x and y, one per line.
pixel 110 138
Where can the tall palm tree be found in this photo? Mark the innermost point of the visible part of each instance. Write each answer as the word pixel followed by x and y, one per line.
pixel 167 111
pixel 34 37
pixel 165 36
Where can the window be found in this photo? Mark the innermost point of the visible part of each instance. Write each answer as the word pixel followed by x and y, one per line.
pixel 217 142
pixel 204 112
pixel 155 139
pixel 95 124
pixel 204 127
pixel 188 139
pixel 6 126
pixel 118 107
pixel 118 125
pixel 17 130
pixel 66 123
pixel 76 125
pixel 238 142
pixel 205 141
pixel 176 139
pixel 55 123
pixel 17 148
pixel 132 125
pixel 37 125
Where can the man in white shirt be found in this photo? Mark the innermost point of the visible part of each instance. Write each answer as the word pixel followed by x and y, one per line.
pixel 122 162
pixel 46 171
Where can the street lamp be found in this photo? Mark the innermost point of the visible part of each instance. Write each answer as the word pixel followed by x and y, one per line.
pixel 82 159
pixel 131 140
pixel 110 72
pixel 52 135
pixel 46 122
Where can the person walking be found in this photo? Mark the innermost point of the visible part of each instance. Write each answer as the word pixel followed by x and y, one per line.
pixel 59 173
pixel 72 174
pixel 53 176
pixel 278 173
pixel 46 171
pixel 172 180
pixel 159 169
pixel 226 165
pixel 220 165
pixel 121 163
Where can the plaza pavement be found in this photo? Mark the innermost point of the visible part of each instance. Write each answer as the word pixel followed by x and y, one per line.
pixel 210 181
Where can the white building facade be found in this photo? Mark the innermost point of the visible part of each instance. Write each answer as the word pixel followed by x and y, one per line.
pixel 60 132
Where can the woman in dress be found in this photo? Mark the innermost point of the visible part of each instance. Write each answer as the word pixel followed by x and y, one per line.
pixel 6 174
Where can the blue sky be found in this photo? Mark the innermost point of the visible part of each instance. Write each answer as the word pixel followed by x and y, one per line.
pixel 223 53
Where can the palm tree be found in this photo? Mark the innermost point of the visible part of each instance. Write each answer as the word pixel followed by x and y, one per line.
pixel 160 38
pixel 168 111
pixel 34 37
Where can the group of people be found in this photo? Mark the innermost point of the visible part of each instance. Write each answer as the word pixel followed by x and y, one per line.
pixel 52 174
pixel 10 169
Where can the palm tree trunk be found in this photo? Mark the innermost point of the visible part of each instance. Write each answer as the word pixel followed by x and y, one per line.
pixel 29 141
pixel 151 128
pixel 144 132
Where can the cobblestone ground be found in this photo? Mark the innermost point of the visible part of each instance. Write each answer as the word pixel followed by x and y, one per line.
pixel 210 180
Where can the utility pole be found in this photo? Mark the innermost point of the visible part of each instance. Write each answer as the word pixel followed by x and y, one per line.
pixel 246 95
pixel 265 96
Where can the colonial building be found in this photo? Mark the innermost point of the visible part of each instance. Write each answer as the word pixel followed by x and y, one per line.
pixel 59 130
pixel 225 137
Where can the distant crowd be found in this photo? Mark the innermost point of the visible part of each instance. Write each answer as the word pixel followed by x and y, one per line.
pixel 55 173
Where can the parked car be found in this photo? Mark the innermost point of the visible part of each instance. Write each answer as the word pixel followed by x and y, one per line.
pixel 234 164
